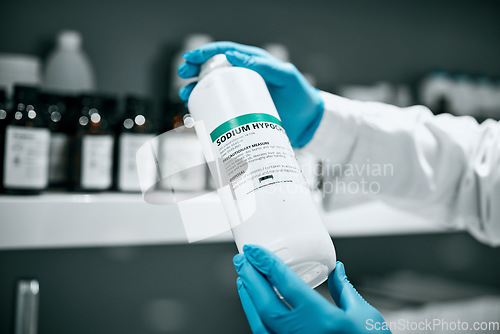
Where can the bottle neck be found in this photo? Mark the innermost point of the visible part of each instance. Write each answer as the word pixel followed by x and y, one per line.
pixel 216 62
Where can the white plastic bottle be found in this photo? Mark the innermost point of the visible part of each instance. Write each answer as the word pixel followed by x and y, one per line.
pixel 243 125
pixel 68 69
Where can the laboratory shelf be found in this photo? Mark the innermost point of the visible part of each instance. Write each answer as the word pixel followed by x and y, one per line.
pixel 112 219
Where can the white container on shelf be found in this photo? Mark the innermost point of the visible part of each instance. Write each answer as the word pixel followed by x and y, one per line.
pixel 267 201
pixel 68 69
pixel 19 69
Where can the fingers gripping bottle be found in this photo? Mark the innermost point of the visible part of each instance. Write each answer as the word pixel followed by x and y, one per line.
pixel 242 130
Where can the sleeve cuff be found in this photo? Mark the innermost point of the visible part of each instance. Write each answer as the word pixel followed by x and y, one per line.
pixel 336 134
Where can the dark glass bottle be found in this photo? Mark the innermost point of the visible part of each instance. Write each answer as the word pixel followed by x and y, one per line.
pixel 3 121
pixel 180 147
pixel 3 107
pixel 174 116
pixel 92 152
pixel 55 110
pixel 26 145
pixel 135 129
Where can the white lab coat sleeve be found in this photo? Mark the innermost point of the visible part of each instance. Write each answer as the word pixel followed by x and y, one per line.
pixel 443 167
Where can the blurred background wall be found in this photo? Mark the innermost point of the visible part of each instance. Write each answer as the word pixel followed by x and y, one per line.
pixel 362 41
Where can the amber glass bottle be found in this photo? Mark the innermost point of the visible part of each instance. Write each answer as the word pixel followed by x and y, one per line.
pixel 26 145
pixel 181 148
pixel 92 147
pixel 55 110
pixel 135 129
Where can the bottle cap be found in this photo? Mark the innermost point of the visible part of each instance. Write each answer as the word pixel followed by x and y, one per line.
pixel 278 51
pixel 217 61
pixel 195 41
pixel 69 39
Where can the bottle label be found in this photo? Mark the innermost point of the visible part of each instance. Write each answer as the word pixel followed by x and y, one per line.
pixel 97 161
pixel 26 157
pixel 256 153
pixel 58 163
pixel 128 145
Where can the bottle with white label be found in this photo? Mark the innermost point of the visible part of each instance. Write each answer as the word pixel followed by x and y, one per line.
pixel 267 200
pixel 135 129
pixel 180 154
pixel 92 168
pixel 55 110
pixel 26 145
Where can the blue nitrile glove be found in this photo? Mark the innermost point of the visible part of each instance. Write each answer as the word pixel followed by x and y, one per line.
pixel 304 310
pixel 299 104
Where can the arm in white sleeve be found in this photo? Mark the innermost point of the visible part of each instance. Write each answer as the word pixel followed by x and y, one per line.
pixel 444 166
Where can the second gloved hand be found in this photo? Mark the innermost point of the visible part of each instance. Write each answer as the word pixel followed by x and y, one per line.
pixel 299 105
pixel 304 310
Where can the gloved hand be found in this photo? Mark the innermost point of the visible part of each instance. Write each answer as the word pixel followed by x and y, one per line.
pixel 299 105
pixel 261 272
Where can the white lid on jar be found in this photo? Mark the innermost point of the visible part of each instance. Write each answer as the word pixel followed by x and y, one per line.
pixel 19 64
pixel 19 69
